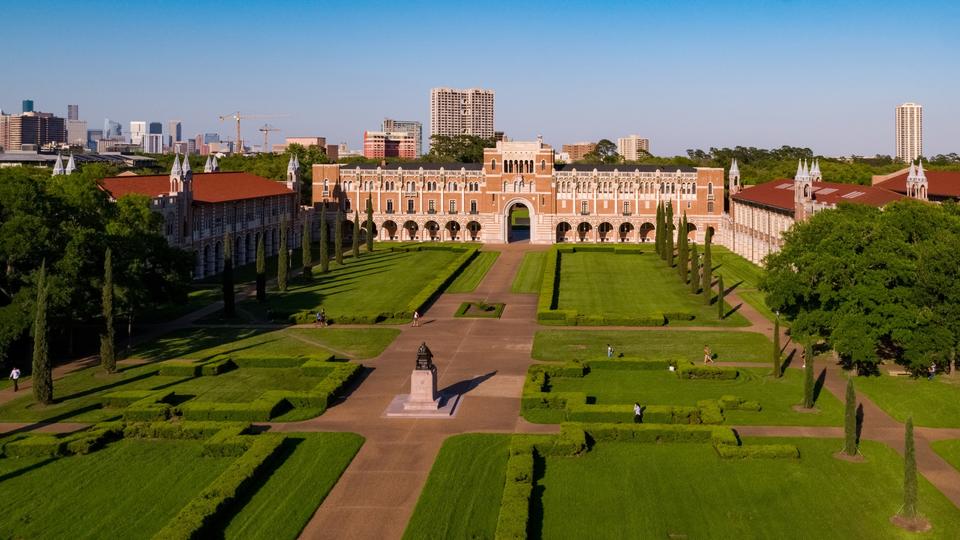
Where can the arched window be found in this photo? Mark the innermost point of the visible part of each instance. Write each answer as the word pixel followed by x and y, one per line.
pixel 543 165
pixel 473 207
pixel 493 164
pixel 710 188
pixel 390 206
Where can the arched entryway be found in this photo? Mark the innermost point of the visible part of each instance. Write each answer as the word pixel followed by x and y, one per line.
pixel 433 230
pixel 563 232
pixel 625 230
pixel 583 231
pixel 411 228
pixel 691 231
pixel 453 230
pixel 604 231
pixel 518 224
pixel 390 229
pixel 474 229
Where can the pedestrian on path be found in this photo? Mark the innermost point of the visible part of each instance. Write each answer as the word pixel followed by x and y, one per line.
pixel 319 319
pixel 707 355
pixel 15 377
pixel 609 351
pixel 637 413
pixel 416 318
pixel 931 371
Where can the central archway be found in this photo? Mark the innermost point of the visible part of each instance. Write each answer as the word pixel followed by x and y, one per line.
pixel 518 221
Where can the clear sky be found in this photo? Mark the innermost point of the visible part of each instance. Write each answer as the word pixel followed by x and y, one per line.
pixel 685 74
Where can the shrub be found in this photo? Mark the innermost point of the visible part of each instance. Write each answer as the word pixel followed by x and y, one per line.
pixel 36 446
pixel 693 371
pixel 151 408
pixel 582 412
pixel 710 411
pixel 269 361
pixel 123 398
pixel 735 403
pixel 652 433
pixel 764 451
pixel 261 409
pixel 180 368
pixel 229 441
pixel 177 430
pixel 567 369
pixel 515 502
pixel 630 364
pixel 444 278
pixel 317 367
pixel 217 367
pixel 679 316
pixel 85 442
pixel 669 414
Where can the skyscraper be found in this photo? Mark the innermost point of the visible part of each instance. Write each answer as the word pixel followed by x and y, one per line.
pixel 632 147
pixel 73 112
pixel 174 130
pixel 909 131
pixel 77 132
pixel 156 128
pixel 27 105
pixel 461 112
pixel 411 127
pixel 31 130
pixel 138 130
pixel 111 129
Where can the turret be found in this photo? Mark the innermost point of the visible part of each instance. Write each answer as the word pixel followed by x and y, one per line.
pixel 293 173
pixel 181 178
pixel 208 166
pixel 58 167
pixel 801 184
pixel 71 166
pixel 917 182
pixel 734 177
pixel 216 165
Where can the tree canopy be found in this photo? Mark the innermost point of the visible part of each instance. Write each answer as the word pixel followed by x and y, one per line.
pixel 458 148
pixel 875 284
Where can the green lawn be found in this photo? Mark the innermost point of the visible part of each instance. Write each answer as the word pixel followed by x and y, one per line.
pixel 380 282
pixel 608 284
pixel 248 272
pixel 933 403
pixel 622 490
pixel 567 345
pixel 130 489
pixel 282 506
pixel 471 276
pixel 776 396
pixel 461 498
pixel 239 385
pixel 530 275
pixel 196 299
pixel 517 214
pixel 949 451
pixel 743 276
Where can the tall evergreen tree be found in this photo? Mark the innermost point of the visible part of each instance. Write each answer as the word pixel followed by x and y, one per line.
pixel 338 237
pixel 808 382
pixel 370 227
pixel 658 233
pixel 324 246
pixel 909 509
pixel 707 277
pixel 850 421
pixel 776 347
pixel 306 245
pixel 108 358
pixel 720 291
pixel 356 235
pixel 42 374
pixel 229 299
pixel 694 268
pixel 668 229
pixel 683 256
pixel 283 261
pixel 261 269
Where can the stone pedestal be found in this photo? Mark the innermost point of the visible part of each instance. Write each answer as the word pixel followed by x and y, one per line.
pixel 423 401
pixel 423 391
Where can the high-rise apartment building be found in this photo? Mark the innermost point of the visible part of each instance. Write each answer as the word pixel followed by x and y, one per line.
pixel 175 131
pixel 26 106
pixel 155 128
pixel 633 147
pixel 138 130
pixel 382 144
pixel 77 132
pixel 909 131
pixel 153 143
pixel 411 127
pixel 461 112
pixel 31 129
pixel 576 151
pixel 73 112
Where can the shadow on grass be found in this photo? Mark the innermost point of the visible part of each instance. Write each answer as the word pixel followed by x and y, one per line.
pixel 98 389
pixel 535 520
pixel 348 390
pixel 818 384
pixel 462 387
pixel 54 419
pixel 859 421
pixel 24 470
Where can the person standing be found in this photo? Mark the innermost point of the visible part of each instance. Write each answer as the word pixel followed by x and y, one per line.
pixel 609 351
pixel 931 371
pixel 15 377
pixel 319 323
pixel 323 318
pixel 416 318
pixel 637 413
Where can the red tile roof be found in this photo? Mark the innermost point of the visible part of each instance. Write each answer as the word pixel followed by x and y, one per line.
pixel 207 187
pixel 779 194
pixel 939 183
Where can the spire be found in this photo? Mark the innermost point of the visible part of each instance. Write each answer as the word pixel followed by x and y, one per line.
pixel 734 169
pixel 176 170
pixel 216 164
pixel 913 172
pixel 58 166
pixel 186 164
pixel 920 169
pixel 799 169
pixel 71 166
pixel 292 164
pixel 208 167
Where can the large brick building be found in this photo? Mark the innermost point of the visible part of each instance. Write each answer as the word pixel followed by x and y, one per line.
pixel 565 203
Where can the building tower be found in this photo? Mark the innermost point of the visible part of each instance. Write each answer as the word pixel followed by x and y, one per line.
pixel 917 182
pixel 293 177
pixel 802 191
pixel 181 188
pixel 734 177
pixel 71 166
pixel 909 131
pixel 815 172
pixel 58 167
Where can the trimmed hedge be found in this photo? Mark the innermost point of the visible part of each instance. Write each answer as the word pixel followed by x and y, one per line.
pixel 270 361
pixel 444 278
pixel 199 517
pixel 123 398
pixel 217 367
pixel 178 430
pixel 669 414
pixel 694 371
pixel 659 433
pixel 492 314
pixel 735 403
pixel 515 501
pixel 761 451
pixel 81 442
pixel 229 441
pixel 679 316
pixel 711 411
pixel 180 368
pixel 582 412
pixel 151 408
pixel 258 410
pixel 631 364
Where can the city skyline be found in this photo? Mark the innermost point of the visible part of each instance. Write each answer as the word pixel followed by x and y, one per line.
pixel 713 75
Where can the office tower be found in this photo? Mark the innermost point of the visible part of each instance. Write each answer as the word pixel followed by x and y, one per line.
pixel 909 131
pixel 411 127
pixel 211 138
pixel 93 135
pixel 576 151
pixel 31 130
pixel 27 106
pixel 381 144
pixel 73 112
pixel 461 112
pixel 174 131
pixel 633 147
pixel 153 143
pixel 155 128
pixel 77 132
pixel 138 130
pixel 111 129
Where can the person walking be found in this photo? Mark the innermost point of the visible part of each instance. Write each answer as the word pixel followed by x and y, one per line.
pixel 416 318
pixel 609 351
pixel 319 320
pixel 15 377
pixel 931 371
pixel 637 413
pixel 323 318
pixel 707 355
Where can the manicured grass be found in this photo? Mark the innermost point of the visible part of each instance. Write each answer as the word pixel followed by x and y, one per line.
pixel 608 284
pixel 623 490
pixel 479 310
pixel 776 396
pixel 472 275
pixel 567 345
pixel 744 277
pixel 461 498
pixel 530 275
pixel 519 213
pixel 379 282
pixel 130 489
pixel 282 506
pixel 196 299
pixel 933 403
pixel 248 272
pixel 239 385
pixel 949 451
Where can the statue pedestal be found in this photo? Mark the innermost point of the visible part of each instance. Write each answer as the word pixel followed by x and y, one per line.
pixel 423 401
pixel 423 391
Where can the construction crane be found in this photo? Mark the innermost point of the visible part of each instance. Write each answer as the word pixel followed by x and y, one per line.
pixel 238 148
pixel 266 129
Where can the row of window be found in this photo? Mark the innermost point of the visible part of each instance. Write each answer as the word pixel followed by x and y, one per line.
pixel 431 206
pixel 665 188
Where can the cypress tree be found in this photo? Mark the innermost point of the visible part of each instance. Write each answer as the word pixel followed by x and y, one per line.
pixel 850 422
pixel 658 233
pixel 282 259
pixel 808 377
pixel 227 277
pixel 338 237
pixel 261 269
pixel 707 277
pixel 306 255
pixel 776 347
pixel 683 255
pixel 42 376
pixel 909 509
pixel 356 235
pixel 668 229
pixel 108 359
pixel 720 291
pixel 369 224
pixel 694 266
pixel 324 247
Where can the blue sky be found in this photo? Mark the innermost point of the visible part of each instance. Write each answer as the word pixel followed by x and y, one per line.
pixel 685 74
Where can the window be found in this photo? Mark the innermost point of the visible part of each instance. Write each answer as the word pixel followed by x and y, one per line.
pixel 710 188
pixel 453 206
pixel 390 207
pixel 543 164
pixel 409 206
pixel 473 207
pixel 431 206
pixel 710 207
pixel 626 207
pixel 583 207
pixel 493 164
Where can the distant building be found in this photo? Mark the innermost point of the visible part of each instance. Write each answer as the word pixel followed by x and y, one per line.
pixel 633 147
pixel 31 130
pixel 77 132
pixel 155 128
pixel 73 112
pixel 138 130
pixel 27 106
pixel 175 131
pixel 909 132
pixel 382 144
pixel 411 127
pixel 111 129
pixel 500 136
pixel 93 135
pixel 153 143
pixel 333 152
pixel 211 138
pixel 576 151
pixel 461 112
